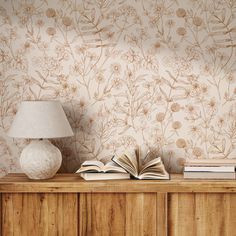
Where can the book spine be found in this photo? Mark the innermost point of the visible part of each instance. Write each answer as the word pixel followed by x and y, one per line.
pixel 209 168
pixel 211 161
pixel 209 175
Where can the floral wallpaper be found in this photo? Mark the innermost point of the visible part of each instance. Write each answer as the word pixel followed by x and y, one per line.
pixel 159 74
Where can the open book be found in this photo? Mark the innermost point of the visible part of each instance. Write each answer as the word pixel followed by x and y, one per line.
pixel 148 169
pixel 97 170
pixel 99 166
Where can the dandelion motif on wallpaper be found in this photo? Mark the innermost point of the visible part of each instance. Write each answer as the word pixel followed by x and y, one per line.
pixel 160 74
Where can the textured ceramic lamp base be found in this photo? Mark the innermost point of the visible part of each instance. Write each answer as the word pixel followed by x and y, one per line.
pixel 40 160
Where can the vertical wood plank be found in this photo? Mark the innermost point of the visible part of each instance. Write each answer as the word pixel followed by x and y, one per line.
pixel 187 213
pixel 172 213
pixel 45 209
pixel 0 214
pixel 108 209
pixel 201 217
pixel 7 215
pixel 102 214
pixel 134 213
pixel 39 214
pixel 70 214
pixel 51 211
pixel 85 214
pixel 230 214
pixel 202 214
pixel 181 214
pixel 138 214
pixel 150 211
pixel 141 214
pixel 214 208
pixel 209 214
pixel 161 219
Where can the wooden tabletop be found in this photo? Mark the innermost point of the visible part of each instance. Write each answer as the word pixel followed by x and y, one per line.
pixel 75 184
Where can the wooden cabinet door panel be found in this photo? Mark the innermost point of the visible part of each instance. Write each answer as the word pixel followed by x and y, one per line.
pixel 202 214
pixel 42 214
pixel 118 214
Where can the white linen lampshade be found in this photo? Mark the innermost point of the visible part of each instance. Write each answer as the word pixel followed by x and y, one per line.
pixel 40 120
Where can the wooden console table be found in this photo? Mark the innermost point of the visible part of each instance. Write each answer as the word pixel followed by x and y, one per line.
pixel 69 206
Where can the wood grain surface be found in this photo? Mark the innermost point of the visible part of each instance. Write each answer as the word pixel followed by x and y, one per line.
pixel 201 214
pixel 132 214
pixel 162 223
pixel 65 183
pixel 1 213
pixel 71 206
pixel 39 214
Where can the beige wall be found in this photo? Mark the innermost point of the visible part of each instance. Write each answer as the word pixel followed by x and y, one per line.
pixel 155 73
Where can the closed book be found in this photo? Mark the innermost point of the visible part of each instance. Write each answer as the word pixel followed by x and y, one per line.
pixel 209 175
pixel 104 176
pixel 210 168
pixel 211 162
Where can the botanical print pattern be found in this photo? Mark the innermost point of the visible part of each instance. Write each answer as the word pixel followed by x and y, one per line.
pixel 159 74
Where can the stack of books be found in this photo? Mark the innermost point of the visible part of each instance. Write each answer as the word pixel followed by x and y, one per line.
pixel 210 169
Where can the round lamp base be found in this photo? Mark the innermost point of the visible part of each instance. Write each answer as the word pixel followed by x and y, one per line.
pixel 40 160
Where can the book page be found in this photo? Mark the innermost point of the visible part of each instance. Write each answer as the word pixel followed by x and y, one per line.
pixel 138 156
pixel 155 161
pixel 154 170
pixel 91 166
pixel 88 169
pixel 127 162
pixel 93 163
pixel 153 176
pixel 132 160
pixel 113 167
pixel 151 155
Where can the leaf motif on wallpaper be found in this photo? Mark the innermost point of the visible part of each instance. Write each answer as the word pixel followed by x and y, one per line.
pixel 220 28
pixel 218 147
pixel 231 130
pixel 5 18
pixel 231 30
pixel 35 97
pixel 94 34
pixel 164 94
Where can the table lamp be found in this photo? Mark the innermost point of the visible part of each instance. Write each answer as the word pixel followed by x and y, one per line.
pixel 40 120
